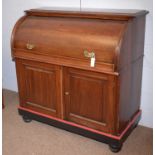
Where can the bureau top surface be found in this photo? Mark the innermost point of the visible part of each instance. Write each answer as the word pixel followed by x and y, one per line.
pixel 117 14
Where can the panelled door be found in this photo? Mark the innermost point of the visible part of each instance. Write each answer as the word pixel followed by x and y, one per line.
pixel 39 86
pixel 88 98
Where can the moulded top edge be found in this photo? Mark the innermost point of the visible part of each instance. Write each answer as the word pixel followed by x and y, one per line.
pixel 115 14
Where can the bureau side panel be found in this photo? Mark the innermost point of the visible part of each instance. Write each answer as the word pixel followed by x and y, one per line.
pixel 130 93
pixel 132 46
pixel 130 69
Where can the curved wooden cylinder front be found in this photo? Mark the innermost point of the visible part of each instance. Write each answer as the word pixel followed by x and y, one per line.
pixel 69 37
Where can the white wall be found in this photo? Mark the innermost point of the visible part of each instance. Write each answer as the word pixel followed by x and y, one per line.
pixel 13 9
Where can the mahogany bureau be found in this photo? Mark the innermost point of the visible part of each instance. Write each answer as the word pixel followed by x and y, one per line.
pixel 81 70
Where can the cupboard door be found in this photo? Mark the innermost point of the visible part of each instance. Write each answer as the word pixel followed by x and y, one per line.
pixel 89 99
pixel 39 86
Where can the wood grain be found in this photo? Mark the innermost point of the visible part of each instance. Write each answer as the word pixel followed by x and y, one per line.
pixel 104 14
pixel 73 36
pixel 90 98
pixel 39 86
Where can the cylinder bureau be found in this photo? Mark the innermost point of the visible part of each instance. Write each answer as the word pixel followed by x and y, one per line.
pixel 81 70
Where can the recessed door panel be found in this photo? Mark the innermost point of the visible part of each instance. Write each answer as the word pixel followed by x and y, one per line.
pixel 83 93
pixel 40 83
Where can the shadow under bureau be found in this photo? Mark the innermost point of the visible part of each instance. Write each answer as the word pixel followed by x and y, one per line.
pixel 81 70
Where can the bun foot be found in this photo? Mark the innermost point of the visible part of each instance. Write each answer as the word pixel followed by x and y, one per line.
pixel 115 147
pixel 136 125
pixel 26 119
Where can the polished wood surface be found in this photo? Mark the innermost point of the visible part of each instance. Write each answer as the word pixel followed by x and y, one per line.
pixel 77 63
pixel 88 98
pixel 112 14
pixel 130 71
pixel 39 86
pixel 55 77
pixel 74 36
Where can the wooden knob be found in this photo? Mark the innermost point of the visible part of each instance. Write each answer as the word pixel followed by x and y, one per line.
pixel 66 93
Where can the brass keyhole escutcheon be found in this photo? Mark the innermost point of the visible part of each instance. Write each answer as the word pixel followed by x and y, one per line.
pixel 30 46
pixel 89 54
